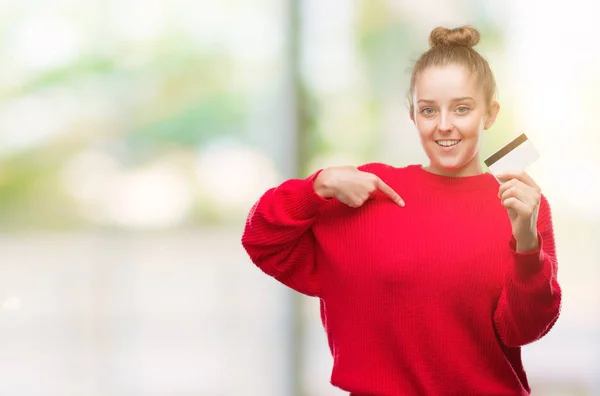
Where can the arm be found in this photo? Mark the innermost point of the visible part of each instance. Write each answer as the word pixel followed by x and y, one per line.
pixel 530 301
pixel 278 236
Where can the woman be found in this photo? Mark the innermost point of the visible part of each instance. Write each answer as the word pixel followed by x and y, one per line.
pixel 430 279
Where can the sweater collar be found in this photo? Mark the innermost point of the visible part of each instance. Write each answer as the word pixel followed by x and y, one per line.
pixel 477 182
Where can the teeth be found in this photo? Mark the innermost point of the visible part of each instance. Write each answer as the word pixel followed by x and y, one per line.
pixel 447 143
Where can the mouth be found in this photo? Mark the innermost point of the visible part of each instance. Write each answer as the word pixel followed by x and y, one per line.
pixel 448 142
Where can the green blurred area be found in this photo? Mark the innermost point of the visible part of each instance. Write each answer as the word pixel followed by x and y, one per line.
pixel 168 97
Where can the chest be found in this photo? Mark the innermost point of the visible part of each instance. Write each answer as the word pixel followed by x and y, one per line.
pixel 430 243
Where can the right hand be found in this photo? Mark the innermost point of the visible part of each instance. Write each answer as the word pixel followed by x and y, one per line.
pixel 351 186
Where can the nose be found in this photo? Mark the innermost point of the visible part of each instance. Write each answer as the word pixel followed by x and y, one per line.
pixel 445 125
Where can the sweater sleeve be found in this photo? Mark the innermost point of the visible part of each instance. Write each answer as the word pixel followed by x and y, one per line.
pixel 278 234
pixel 530 302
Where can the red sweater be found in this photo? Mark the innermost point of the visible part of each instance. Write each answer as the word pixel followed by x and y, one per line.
pixel 430 299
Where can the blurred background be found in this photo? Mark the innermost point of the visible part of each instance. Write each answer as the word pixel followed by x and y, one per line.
pixel 135 136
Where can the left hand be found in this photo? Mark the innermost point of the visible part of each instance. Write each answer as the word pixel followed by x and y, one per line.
pixel 521 196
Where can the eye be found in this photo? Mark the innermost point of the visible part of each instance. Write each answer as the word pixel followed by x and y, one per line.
pixel 427 111
pixel 462 109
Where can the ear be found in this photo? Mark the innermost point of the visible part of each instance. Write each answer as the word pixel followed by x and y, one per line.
pixel 411 113
pixel 491 115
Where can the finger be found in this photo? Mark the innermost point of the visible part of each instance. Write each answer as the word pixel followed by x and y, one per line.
pixel 527 198
pixel 504 187
pixel 387 190
pixel 514 204
pixel 523 192
pixel 354 201
pixel 518 175
pixel 510 184
pixel 512 192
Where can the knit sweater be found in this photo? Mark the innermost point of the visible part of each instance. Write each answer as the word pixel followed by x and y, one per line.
pixel 430 299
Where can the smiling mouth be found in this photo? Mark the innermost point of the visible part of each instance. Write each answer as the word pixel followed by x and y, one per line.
pixel 448 142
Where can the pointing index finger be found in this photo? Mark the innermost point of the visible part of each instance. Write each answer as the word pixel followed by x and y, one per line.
pixel 387 190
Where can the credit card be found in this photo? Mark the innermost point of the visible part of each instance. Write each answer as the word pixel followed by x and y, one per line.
pixel 516 155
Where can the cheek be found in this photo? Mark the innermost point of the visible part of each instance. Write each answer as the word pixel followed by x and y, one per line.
pixel 425 126
pixel 470 125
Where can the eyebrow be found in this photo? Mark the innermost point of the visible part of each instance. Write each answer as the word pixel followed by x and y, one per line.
pixel 453 100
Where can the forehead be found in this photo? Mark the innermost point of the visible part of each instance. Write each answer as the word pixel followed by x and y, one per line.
pixel 446 82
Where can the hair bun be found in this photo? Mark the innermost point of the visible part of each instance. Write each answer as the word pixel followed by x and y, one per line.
pixel 464 36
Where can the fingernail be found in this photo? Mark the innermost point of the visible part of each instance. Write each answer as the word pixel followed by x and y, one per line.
pixel 401 203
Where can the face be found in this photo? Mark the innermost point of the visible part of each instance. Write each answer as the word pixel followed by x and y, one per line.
pixel 450 114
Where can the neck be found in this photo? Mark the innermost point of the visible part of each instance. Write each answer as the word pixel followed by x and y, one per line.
pixel 472 168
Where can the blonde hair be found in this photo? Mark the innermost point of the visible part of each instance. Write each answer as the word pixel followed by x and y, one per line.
pixel 455 46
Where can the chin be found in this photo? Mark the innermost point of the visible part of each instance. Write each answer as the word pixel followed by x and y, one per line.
pixel 457 161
